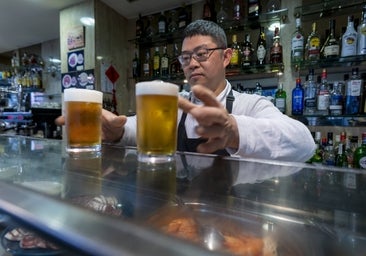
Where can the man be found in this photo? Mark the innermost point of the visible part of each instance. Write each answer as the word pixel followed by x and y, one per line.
pixel 217 119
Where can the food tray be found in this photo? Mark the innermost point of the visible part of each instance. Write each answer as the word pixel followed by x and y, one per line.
pixel 275 238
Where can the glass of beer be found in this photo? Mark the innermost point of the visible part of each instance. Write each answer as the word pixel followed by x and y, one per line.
pixel 83 114
pixel 156 111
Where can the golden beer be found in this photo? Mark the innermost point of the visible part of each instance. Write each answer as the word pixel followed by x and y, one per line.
pixel 83 110
pixel 157 110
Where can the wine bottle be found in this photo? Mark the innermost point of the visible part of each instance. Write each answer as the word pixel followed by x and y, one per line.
pixel 247 52
pixel 237 10
pixel 139 27
pixel 175 66
pixel 162 23
pixel 235 57
pixel 331 45
pixel 254 9
pixel 276 49
pixel 164 63
pixel 146 65
pixel 261 48
pixel 156 63
pixel 136 66
pixel 297 99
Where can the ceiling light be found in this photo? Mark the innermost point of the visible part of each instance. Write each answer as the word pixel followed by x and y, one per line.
pixel 87 21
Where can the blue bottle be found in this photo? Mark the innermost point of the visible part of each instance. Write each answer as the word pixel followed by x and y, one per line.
pixel 297 99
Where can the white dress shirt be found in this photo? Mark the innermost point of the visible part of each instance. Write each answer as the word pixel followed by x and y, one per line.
pixel 264 132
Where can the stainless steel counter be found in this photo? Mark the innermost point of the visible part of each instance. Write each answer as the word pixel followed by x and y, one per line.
pixel 109 204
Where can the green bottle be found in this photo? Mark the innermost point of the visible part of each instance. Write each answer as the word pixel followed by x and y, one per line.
pixel 359 156
pixel 280 99
pixel 341 157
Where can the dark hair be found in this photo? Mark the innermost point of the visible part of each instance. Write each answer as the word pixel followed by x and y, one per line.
pixel 206 28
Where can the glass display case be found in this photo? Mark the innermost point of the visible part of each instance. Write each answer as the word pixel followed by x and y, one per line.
pixel 110 204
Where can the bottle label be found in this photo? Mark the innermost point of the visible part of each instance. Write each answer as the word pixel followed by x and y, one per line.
pixel 234 57
pixel 362 162
pixel 280 104
pixel 156 62
pixel 349 45
pixel 331 50
pixel 354 87
pixel 164 62
pixel 146 68
pixel 261 53
pixel 323 101
pixel 297 45
pixel 161 26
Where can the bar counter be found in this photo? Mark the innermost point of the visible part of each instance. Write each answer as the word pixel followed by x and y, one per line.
pixel 109 204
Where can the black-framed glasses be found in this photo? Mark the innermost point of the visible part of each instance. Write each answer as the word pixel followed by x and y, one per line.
pixel 200 55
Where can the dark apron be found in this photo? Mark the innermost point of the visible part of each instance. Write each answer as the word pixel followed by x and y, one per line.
pixel 190 145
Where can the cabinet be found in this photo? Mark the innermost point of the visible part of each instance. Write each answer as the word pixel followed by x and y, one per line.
pixel 146 45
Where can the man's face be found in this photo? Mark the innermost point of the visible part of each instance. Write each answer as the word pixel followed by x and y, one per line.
pixel 210 72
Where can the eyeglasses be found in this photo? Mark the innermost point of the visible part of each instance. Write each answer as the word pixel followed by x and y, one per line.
pixel 200 55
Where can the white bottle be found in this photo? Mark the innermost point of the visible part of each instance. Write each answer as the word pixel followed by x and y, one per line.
pixel 361 34
pixel 349 39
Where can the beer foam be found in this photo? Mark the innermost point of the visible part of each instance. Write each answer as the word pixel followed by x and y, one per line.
pixel 83 95
pixel 157 87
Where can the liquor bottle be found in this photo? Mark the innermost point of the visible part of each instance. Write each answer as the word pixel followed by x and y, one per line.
pixel 336 100
pixel 206 13
pixel 222 15
pixel 237 10
pixel 164 63
pixel 175 66
pixel 297 43
pixel 276 49
pixel 349 39
pixel 341 158
pixel 310 94
pixel 136 66
pixel 359 157
pixel 162 23
pixel 183 17
pixel 313 45
pixel 172 22
pixel 146 66
pixel 254 9
pixel 280 98
pixel 331 45
pixel 353 93
pixel 297 99
pixel 261 48
pixel 247 53
pixel 139 27
pixel 150 30
pixel 361 34
pixel 317 158
pixel 156 62
pixel 322 98
pixel 258 89
pixel 351 147
pixel 235 57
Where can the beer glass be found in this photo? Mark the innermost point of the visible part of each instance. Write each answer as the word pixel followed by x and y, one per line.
pixel 156 110
pixel 83 113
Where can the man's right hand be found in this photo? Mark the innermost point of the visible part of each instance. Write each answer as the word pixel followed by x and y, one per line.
pixel 112 125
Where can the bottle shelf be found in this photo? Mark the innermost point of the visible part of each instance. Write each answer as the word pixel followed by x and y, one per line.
pixel 327 120
pixel 327 9
pixel 337 64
